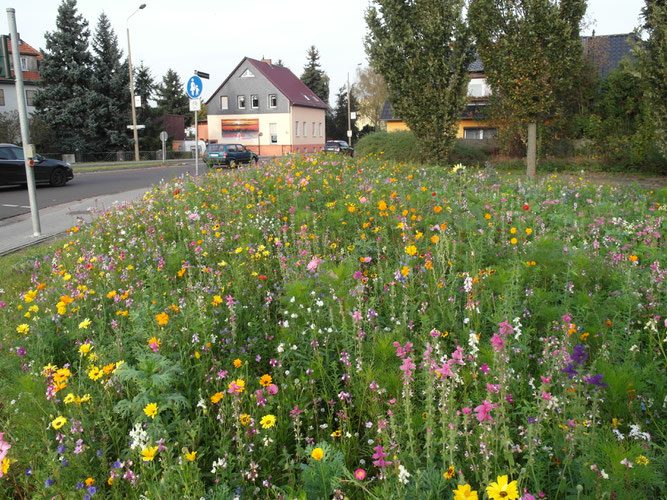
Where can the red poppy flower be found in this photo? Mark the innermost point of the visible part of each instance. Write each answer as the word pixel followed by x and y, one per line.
pixel 526 207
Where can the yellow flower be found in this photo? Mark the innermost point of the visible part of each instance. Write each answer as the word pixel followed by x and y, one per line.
pixel 95 373
pixel 58 422
pixel 6 462
pixel 191 456
pixel 162 319
pixel 513 241
pixel 463 492
pixel 90 481
pixel 502 490
pixel 84 349
pixel 336 433
pixel 23 328
pixel 450 473
pixel 244 418
pixel 217 397
pixel 642 460
pixel 70 398
pixel 238 363
pixel 437 209
pixel 382 205
pixel 268 421
pixel 435 238
pixel 85 323
pixel 217 300
pixel 151 410
pixel 111 294
pixel 149 453
pixel 633 258
pixel 317 454
pixel 265 380
pixel 411 250
pixel 405 270
pixel 240 385
pixel 513 230
pixel 487 216
pixel 529 231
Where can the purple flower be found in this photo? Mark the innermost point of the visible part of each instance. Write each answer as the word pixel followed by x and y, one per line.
pixel 49 482
pixel 79 485
pixel 531 420
pixel 61 449
pixel 596 380
pixel 579 355
pixel 569 369
pixel 92 489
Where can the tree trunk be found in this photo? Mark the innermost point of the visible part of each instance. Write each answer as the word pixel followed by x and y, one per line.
pixel 531 154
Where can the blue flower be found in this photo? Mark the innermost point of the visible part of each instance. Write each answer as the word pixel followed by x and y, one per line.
pixel 79 486
pixel 596 380
pixel 579 355
pixel 569 369
pixel 49 482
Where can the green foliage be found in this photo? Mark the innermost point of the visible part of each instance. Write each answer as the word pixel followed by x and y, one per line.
pixel 314 77
pixel 66 72
pixel 321 476
pixel 653 57
pixel 171 99
pixel 394 146
pixel 10 128
pixel 337 126
pixel 532 56
pixel 109 96
pixel 423 50
pixel 147 114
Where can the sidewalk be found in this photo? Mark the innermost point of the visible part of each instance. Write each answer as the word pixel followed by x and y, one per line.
pixel 16 233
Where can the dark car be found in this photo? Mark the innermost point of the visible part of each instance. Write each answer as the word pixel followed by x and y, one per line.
pixel 12 168
pixel 228 155
pixel 338 147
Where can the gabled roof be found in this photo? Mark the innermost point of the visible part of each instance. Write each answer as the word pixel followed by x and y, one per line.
pixel 607 51
pixel 285 81
pixel 26 50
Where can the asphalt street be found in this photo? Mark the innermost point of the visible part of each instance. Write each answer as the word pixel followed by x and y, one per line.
pixel 85 185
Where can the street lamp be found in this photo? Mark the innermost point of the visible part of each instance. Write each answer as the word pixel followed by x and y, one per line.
pixel 134 109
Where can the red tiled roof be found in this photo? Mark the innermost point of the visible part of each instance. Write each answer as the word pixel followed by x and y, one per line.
pixel 285 81
pixel 288 83
pixel 24 49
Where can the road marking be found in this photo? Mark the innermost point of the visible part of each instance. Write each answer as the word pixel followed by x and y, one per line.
pixel 13 206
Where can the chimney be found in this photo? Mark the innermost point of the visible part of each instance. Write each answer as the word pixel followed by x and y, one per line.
pixel 267 61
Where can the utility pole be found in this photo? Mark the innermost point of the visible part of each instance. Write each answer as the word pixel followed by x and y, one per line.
pixel 349 121
pixel 134 108
pixel 28 149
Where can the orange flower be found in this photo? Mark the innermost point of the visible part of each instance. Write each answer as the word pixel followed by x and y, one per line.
pixel 162 319
pixel 217 397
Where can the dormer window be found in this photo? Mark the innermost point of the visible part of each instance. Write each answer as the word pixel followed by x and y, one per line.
pixel 24 64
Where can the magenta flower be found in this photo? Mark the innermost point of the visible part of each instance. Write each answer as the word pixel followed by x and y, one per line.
pixel 498 342
pixel 444 371
pixel 506 328
pixel 379 457
pixel 483 411
pixel 360 474
pixel 407 367
pixel 4 448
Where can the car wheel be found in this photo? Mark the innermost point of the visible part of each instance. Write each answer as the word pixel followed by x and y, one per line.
pixel 58 177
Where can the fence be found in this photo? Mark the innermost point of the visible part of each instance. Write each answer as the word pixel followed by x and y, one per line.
pixel 114 156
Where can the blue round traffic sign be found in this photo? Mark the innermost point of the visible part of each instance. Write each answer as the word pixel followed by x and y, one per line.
pixel 194 87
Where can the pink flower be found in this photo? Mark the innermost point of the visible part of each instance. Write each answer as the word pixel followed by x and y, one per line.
pixel 379 457
pixel 483 411
pixel 360 474
pixel 407 367
pixel 4 448
pixel 546 395
pixel 498 342
pixel 506 328
pixel 466 410
pixel 445 371
pixel 314 262
pixel 272 389
pixel 546 380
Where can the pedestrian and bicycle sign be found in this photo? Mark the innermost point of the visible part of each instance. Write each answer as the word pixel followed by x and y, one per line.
pixel 194 87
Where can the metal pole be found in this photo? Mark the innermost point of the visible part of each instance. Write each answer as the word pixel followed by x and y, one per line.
pixel 129 63
pixel 349 123
pixel 23 119
pixel 196 146
pixel 134 109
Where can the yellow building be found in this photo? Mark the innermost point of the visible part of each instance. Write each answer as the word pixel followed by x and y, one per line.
pixel 474 123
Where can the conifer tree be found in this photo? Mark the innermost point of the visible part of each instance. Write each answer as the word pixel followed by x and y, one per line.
pixel 423 49
pixel 338 123
pixel 532 55
pixel 314 77
pixel 171 97
pixel 147 113
pixel 65 72
pixel 109 101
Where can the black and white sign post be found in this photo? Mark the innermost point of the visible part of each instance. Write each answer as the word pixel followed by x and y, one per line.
pixel 194 88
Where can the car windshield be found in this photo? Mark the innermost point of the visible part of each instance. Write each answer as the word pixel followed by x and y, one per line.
pixel 332 143
pixel 216 147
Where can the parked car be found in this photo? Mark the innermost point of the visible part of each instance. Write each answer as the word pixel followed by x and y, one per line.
pixel 228 155
pixel 12 168
pixel 338 147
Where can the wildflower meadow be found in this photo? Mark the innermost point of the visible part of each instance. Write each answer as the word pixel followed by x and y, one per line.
pixel 319 327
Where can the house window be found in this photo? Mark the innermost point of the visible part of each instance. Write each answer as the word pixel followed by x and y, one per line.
pixel 477 87
pixel 254 101
pixel 479 133
pixel 305 129
pixel 2 97
pixel 296 129
pixel 224 102
pixel 273 131
pixel 273 101
pixel 241 102
pixel 313 129
pixel 30 97
pixel 320 134
pixel 24 64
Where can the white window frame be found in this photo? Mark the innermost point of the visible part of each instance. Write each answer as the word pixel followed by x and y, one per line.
pixel 224 102
pixel 30 97
pixel 304 129
pixel 240 99
pixel 254 101
pixel 313 129
pixel 275 103
pixel 296 128
pixel 24 64
pixel 320 134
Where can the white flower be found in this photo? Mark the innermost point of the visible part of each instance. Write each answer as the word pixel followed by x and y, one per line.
pixel 138 436
pixel 604 474
pixel 403 474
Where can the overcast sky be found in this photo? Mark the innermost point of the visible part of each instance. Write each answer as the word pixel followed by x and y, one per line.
pixel 214 35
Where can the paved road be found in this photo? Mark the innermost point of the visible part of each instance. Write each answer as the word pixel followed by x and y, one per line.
pixel 14 200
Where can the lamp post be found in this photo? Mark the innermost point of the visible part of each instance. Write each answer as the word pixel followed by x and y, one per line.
pixel 134 109
pixel 349 122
